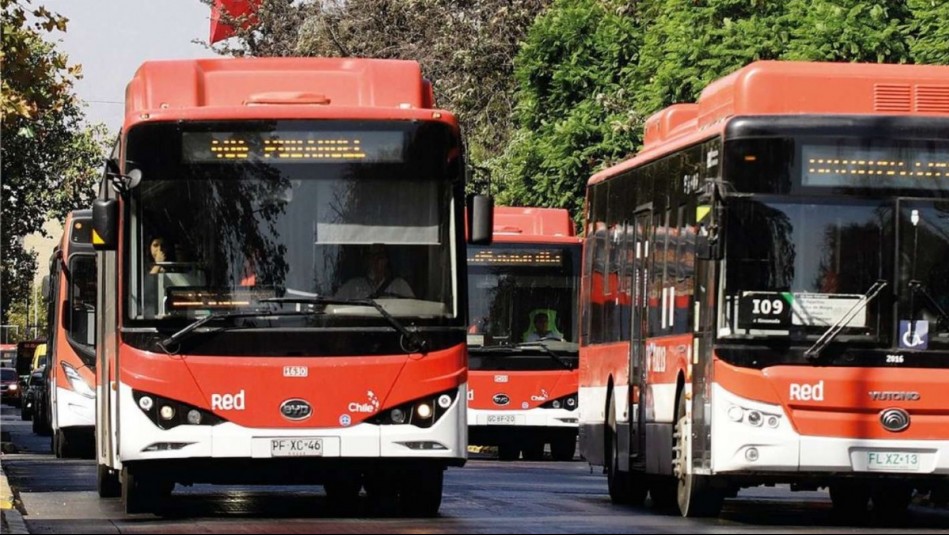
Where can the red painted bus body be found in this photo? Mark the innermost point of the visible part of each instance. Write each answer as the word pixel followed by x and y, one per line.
pixel 523 386
pixel 257 198
pixel 764 292
pixel 68 412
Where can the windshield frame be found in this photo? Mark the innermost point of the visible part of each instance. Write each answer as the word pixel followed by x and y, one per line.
pixel 569 268
pixel 450 188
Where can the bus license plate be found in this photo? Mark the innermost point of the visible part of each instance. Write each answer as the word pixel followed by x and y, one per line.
pixel 296 447
pixel 501 419
pixel 893 460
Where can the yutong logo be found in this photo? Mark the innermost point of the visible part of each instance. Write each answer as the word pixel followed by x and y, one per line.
pixel 501 399
pixel 295 409
pixel 894 420
pixel 894 396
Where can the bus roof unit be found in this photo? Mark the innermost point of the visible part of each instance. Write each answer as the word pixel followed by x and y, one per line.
pixel 515 223
pixel 160 86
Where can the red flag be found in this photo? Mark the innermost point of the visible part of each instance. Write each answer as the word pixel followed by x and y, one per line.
pixel 221 30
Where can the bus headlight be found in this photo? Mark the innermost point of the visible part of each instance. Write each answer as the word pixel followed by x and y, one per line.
pixel 568 402
pixel 168 413
pixel 422 412
pixel 79 385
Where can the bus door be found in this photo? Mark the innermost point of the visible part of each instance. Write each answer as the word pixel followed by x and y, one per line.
pixel 923 273
pixel 641 242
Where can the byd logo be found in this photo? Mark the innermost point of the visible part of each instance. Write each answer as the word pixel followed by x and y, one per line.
pixel 228 402
pixel 800 392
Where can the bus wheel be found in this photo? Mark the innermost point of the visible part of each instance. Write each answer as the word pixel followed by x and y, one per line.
pixel 342 493
pixel 694 494
pixel 623 488
pixel 891 500
pixel 143 494
pixel 107 482
pixel 534 451
pixel 849 500
pixel 508 451
pixel 563 448
pixel 65 445
pixel 421 496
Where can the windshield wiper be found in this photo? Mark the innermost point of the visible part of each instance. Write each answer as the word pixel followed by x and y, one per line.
pixel 519 348
pixel 416 343
pixel 814 351
pixel 193 326
pixel 917 288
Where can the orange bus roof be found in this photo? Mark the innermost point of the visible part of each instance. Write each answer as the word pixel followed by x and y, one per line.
pixel 795 88
pixel 252 87
pixel 523 224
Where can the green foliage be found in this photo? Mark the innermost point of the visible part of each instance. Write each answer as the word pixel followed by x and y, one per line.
pixel 575 73
pixel 929 31
pixel 689 43
pixel 49 160
pixel 590 70
pixel 847 30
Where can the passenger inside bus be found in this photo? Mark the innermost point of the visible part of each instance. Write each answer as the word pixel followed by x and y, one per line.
pixel 378 280
pixel 542 328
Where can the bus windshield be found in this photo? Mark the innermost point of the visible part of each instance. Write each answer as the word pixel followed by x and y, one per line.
pixel 522 293
pixel 799 265
pixel 232 215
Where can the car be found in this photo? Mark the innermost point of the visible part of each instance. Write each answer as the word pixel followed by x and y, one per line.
pixel 30 388
pixel 9 386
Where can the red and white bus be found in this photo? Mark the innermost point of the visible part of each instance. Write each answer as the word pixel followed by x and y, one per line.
pixel 522 383
pixel 765 293
pixel 69 411
pixel 246 335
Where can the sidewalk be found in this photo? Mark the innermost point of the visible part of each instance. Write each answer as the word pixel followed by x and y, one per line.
pixel 12 520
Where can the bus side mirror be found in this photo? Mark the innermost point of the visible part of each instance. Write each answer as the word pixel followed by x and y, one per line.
pixel 708 243
pixel 105 224
pixel 46 288
pixel 480 219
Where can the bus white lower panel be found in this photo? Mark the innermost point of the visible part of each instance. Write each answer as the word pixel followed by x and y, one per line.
pixel 774 445
pixel 531 417
pixel 74 410
pixel 592 404
pixel 140 439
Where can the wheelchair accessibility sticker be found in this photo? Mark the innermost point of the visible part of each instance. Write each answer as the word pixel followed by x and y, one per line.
pixel 917 338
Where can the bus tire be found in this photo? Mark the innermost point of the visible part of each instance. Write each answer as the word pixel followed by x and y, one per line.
pixel 624 489
pixel 850 500
pixel 342 493
pixel 422 495
pixel 107 482
pixel 508 451
pixel 695 495
pixel 143 493
pixel 890 500
pixel 533 451
pixel 563 448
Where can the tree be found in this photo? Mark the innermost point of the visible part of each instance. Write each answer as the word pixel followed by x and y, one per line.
pixel 847 30
pixel 576 77
pixel 49 160
pixel 928 31
pixel 580 104
pixel 689 43
pixel 465 47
